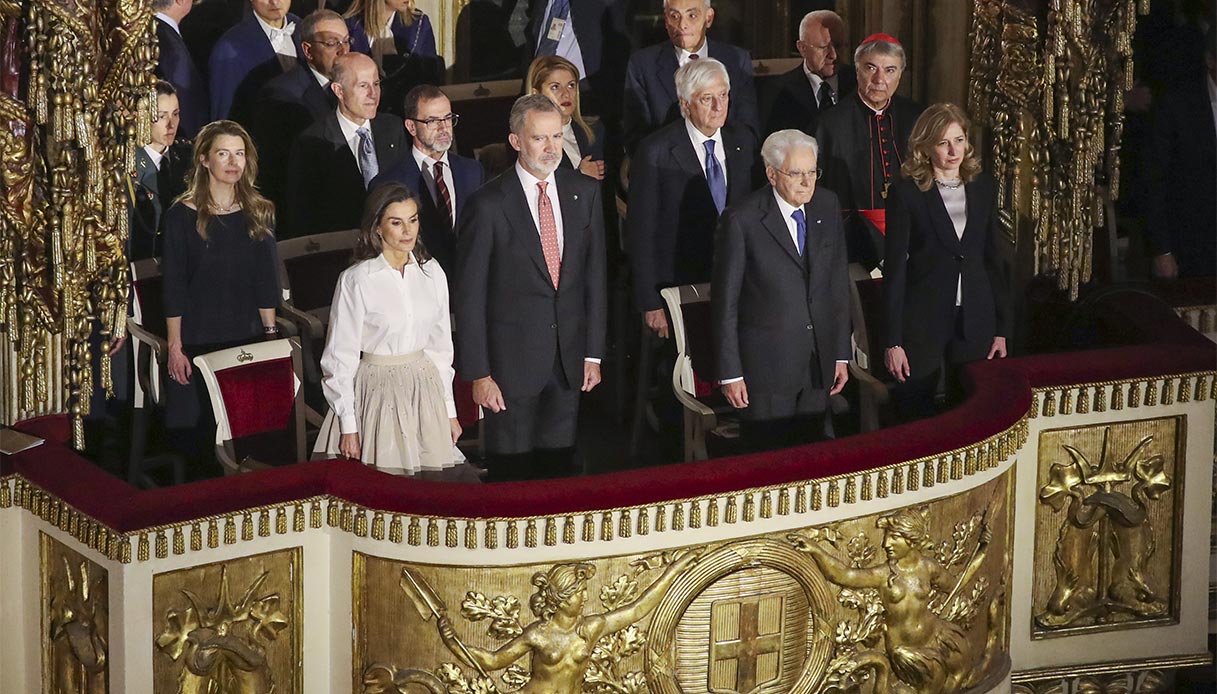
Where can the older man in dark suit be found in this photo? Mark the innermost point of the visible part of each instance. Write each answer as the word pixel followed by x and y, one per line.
pixel 651 98
pixel 797 98
pixel 443 179
pixel 260 47
pixel 175 65
pixel 531 298
pixel 780 298
pixel 298 98
pixel 335 159
pixel 681 179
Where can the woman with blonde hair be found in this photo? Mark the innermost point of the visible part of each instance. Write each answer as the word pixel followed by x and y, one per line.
pixel 220 266
pixel 387 365
pixel 557 79
pixel 389 27
pixel 945 285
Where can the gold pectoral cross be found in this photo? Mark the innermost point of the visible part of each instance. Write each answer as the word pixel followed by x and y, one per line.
pixel 886 185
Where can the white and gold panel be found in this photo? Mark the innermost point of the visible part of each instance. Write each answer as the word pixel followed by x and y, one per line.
pixel 75 621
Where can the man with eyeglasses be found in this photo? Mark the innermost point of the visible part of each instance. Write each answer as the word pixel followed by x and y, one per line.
pixel 797 98
pixel 334 160
pixel 651 98
pixel 780 300
pixel 863 143
pixel 298 98
pixel 443 178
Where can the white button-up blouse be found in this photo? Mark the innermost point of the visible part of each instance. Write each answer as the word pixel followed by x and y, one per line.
pixel 379 311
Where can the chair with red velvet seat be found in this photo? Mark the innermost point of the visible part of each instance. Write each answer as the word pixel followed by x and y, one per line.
pixel 150 352
pixel 259 408
pixel 874 382
pixel 704 405
pixel 311 266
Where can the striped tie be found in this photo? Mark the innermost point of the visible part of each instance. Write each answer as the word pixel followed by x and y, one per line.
pixel 442 188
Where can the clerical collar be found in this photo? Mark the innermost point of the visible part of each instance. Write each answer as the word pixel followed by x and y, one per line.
pixel 876 111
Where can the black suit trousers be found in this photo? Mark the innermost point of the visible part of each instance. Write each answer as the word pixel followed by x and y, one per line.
pixel 543 421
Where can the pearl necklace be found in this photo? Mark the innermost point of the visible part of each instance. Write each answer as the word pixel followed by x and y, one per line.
pixel 949 185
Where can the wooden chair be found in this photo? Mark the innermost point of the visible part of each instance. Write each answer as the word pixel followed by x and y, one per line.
pixel 150 354
pixel 704 405
pixel 310 267
pixel 874 383
pixel 258 405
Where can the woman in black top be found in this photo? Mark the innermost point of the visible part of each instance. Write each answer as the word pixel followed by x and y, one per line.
pixel 220 266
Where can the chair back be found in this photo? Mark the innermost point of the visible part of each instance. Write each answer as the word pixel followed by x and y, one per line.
pixel 258 404
pixel 311 266
pixel 147 311
pixel 689 309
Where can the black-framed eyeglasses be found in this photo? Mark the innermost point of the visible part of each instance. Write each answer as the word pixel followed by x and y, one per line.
pixel 332 43
pixel 813 175
pixel 451 120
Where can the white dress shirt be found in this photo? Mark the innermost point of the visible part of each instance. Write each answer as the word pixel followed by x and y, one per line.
pixel 426 166
pixel 350 133
pixel 699 147
pixel 683 56
pixel 170 21
pixel 531 194
pixel 321 79
pixel 155 154
pixel 570 144
pixel 378 311
pixel 568 43
pixel 280 38
pixel 816 81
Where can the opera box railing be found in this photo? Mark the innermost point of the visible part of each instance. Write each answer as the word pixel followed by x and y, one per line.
pixel 1052 531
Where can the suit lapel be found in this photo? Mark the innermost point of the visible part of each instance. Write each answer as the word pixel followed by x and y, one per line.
pixel 775 224
pixel 975 215
pixel 518 214
pixel 572 230
pixel 939 219
pixel 685 155
pixel 739 181
pixel 386 146
pixel 665 70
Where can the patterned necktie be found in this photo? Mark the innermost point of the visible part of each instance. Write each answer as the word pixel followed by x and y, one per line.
pixel 714 176
pixel 560 10
pixel 549 233
pixel 800 228
pixel 442 188
pixel 693 56
pixel 367 156
pixel 826 96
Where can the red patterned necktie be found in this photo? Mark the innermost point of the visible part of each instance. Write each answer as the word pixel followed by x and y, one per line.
pixel 442 188
pixel 549 233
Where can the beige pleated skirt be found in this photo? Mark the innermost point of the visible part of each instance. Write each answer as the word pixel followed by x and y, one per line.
pixel 403 421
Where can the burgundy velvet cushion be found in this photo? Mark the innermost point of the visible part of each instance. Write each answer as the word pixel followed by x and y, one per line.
pixel 313 277
pixel 258 397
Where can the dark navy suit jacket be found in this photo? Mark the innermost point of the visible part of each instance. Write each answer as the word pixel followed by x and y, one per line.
pixel 286 106
pixel 437 234
pixel 650 89
pixel 418 38
pixel 176 67
pixel 242 61
pixel 586 148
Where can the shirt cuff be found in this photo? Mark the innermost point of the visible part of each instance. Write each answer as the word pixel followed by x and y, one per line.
pixel 591 360
pixel 842 361
pixel 725 381
pixel 348 425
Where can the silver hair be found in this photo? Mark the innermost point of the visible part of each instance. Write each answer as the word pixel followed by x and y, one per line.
pixel 527 104
pixel 705 3
pixel 693 76
pixel 825 18
pixel 879 47
pixel 779 145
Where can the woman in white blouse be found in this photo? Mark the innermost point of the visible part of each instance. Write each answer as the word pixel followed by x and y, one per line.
pixel 387 363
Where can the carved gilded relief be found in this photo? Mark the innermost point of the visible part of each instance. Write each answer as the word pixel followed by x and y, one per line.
pixel 75 621
pixel 911 601
pixel 231 627
pixel 1139 682
pixel 1107 526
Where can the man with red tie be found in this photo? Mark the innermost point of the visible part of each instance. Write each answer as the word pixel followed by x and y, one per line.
pixel 864 140
pixel 531 298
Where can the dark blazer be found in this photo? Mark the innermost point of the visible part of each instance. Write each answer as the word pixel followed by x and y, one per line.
pixel 595 149
pixel 242 61
pixel 437 233
pixel 925 259
pixel 791 103
pixel 672 216
pixel 772 308
pixel 325 190
pixel 604 42
pixel 510 321
pixel 1182 161
pixel 176 66
pixel 417 38
pixel 286 105
pixel 650 89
